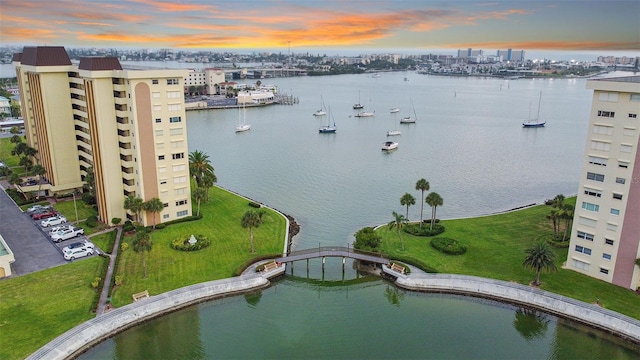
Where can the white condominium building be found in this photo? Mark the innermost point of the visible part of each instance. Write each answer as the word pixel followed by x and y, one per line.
pixel 605 236
pixel 129 125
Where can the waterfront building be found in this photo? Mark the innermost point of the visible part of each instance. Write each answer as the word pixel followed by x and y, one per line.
pixel 605 235
pixel 208 78
pixel 511 55
pixel 128 125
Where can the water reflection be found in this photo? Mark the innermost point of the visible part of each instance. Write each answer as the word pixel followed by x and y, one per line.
pixel 531 324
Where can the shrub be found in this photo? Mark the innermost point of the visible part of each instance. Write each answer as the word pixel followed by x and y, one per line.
pixel 161 226
pixel 92 221
pixel 128 226
pixel 448 246
pixel 124 246
pixel 95 283
pixel 119 280
pixel 425 230
pixel 254 204
pixel 116 221
pixel 367 240
pixel 182 243
pixel 88 199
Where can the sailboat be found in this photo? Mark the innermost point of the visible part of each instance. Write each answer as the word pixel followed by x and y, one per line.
pixel 365 113
pixel 394 110
pixel 534 122
pixel 242 118
pixel 395 131
pixel 358 105
pixel 321 111
pixel 409 119
pixel 328 129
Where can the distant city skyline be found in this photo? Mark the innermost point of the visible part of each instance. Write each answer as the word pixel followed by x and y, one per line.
pixel 598 27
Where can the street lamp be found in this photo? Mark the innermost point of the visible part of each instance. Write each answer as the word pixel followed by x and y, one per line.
pixel 75 207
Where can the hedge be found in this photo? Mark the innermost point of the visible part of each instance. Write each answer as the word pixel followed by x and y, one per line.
pixel 448 246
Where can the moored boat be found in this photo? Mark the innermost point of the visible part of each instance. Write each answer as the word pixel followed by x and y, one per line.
pixel 389 145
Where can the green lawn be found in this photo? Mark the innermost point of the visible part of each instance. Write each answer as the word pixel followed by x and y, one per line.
pixel 495 249
pixel 105 241
pixel 66 208
pixel 38 307
pixel 168 269
pixel 5 152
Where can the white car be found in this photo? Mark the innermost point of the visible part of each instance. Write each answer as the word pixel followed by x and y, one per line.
pixel 85 244
pixel 71 254
pixel 54 220
pixel 66 234
pixel 35 208
pixel 58 228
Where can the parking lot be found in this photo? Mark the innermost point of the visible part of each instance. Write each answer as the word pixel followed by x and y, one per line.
pixel 29 241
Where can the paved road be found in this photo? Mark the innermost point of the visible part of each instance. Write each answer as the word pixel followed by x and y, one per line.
pixel 32 250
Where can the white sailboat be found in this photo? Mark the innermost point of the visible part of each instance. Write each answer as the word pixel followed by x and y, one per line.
pixel 395 131
pixel 534 122
pixel 394 110
pixel 358 105
pixel 365 113
pixel 328 129
pixel 242 120
pixel 409 119
pixel 321 111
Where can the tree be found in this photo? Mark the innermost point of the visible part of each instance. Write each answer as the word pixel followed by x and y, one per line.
pixel 142 243
pixel 434 200
pixel 422 185
pixel 398 222
pixel 540 257
pixel 407 200
pixel 134 204
pixel 251 219
pixel 40 171
pixel 154 206
pixel 90 182
pixel 26 162
pixel 367 239
pixel 199 194
pixel 556 214
pixel 200 166
pixel 16 139
pixel 16 180
pixel 30 152
pixel 566 213
pixel 207 182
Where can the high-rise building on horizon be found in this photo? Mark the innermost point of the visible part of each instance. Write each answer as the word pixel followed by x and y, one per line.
pixel 605 236
pixel 129 126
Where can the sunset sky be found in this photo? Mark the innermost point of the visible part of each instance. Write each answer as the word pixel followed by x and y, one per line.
pixel 316 25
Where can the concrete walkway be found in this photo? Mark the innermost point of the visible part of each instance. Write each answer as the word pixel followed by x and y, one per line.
pixel 106 285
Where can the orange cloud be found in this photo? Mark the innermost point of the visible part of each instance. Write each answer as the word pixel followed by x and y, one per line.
pixel 173 6
pixel 28 34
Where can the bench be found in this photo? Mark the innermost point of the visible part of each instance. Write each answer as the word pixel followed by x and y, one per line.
pixel 272 265
pixel 398 268
pixel 140 295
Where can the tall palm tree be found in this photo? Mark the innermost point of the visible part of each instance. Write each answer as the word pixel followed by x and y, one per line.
pixel 134 204
pixel 154 206
pixel 142 243
pixel 553 216
pixel 251 219
pixel 199 194
pixel 407 200
pixel 398 222
pixel 422 185
pixel 199 166
pixel 16 180
pixel 566 213
pixel 207 182
pixel 540 257
pixel 434 200
pixel 39 170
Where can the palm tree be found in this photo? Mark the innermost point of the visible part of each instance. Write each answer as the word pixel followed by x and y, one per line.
pixel 399 221
pixel 154 206
pixel 251 219
pixel 16 180
pixel 39 170
pixel 434 200
pixel 142 243
pixel 134 204
pixel 553 216
pixel 422 185
pixel 26 162
pixel 207 182
pixel 199 194
pixel 566 213
pixel 407 200
pixel 30 152
pixel 199 166
pixel 540 257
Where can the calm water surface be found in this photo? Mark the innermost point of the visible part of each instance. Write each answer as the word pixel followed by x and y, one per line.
pixel 468 143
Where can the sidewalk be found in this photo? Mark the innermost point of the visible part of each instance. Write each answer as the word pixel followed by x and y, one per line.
pixel 104 295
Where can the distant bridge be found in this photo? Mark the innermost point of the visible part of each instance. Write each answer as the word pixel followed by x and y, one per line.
pixel 333 251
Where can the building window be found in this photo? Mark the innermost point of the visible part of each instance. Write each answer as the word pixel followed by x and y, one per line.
pixel 165 204
pixel 612 227
pixel 155 95
pixel 595 177
pixel 179 179
pixel 620 180
pixel 162 169
pixel 177 144
pixel 608 96
pixel 608 241
pixel 157 107
pixel 154 81
pixel 608 114
pixel 602 129
pixel 181 191
pixel 177 156
pixel 600 145
pixel 595 160
pixel 181 202
pixel 615 212
pixel 158 120
pixel 181 167
pixel 604 271
pixel 165 216
pixel 617 196
pixel 625 148
pixel 623 164
pixel 160 145
pixel 580 264
pixel 635 97
pixel 584 235
pixel 175 119
pixel 174 94
pixel 174 107
pixel 163 181
pixel 633 116
pixel 160 157
pixel 606 256
pixel 182 213
pixel 628 131
pixel 590 206
pixel 177 131
pixel 159 132
pixel 592 192
pixel 583 250
pixel 164 193
pixel 173 81
pixel 587 222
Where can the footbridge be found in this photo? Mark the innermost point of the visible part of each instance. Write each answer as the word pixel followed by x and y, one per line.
pixel 333 251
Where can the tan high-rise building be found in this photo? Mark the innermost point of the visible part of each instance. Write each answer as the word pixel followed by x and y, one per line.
pixel 605 238
pixel 128 125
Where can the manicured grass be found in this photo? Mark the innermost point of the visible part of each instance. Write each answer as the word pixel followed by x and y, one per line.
pixel 495 249
pixel 38 307
pixel 169 269
pixel 66 208
pixel 5 152
pixel 105 241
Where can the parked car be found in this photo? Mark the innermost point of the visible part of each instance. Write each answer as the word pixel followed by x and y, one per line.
pixel 44 215
pixel 66 234
pixel 71 254
pixel 54 220
pixel 84 244
pixel 55 229
pixel 38 208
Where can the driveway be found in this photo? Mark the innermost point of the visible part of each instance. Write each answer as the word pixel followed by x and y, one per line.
pixel 32 250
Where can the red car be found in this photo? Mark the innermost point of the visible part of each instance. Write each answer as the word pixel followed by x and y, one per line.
pixel 43 215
